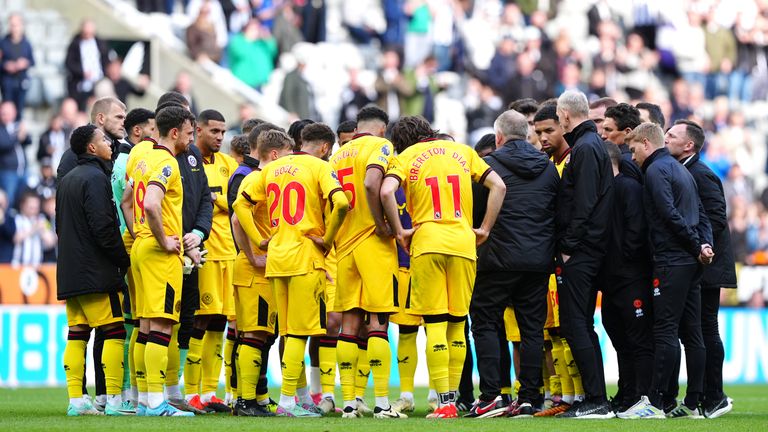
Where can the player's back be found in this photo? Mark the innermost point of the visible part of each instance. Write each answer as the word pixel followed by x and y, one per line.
pixel 296 188
pixel 220 244
pixel 351 163
pixel 261 219
pixel 157 167
pixel 437 177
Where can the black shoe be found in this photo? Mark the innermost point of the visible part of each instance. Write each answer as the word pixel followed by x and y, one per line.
pixel 507 399
pixel 464 404
pixel 589 410
pixel 238 405
pixel 486 409
pixel 251 408
pixel 669 406
pixel 718 408
pixel 521 410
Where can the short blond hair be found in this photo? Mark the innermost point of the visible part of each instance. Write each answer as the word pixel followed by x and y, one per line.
pixel 650 131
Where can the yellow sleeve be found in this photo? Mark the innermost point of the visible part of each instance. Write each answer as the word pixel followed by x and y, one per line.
pixel 329 181
pixel 479 169
pixel 380 157
pixel 395 168
pixel 244 203
pixel 162 173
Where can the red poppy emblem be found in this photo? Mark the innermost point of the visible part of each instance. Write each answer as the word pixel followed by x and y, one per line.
pixel 638 303
pixel 656 283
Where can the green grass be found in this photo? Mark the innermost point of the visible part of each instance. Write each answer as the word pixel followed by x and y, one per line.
pixel 44 410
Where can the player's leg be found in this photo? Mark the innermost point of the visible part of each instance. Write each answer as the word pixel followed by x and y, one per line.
pixel 230 367
pixel 212 362
pixel 695 350
pixel 100 386
pixel 327 362
pixel 172 388
pixel 363 374
pixel 407 360
pixel 716 403
pixel 457 350
pixel 74 358
pixel 347 301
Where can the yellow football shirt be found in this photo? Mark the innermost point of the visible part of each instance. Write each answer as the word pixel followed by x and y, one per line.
pixel 561 164
pixel 437 178
pixel 243 269
pixel 351 163
pixel 137 155
pixel 220 244
pixel 158 167
pixel 295 189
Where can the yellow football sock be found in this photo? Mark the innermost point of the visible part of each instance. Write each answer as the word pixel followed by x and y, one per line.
pixel 172 370
pixel 363 369
pixel 379 361
pixel 346 356
pixel 438 358
pixel 229 367
pixel 407 359
pixel 293 364
pixel 558 359
pixel 573 370
pixel 457 352
pixel 131 358
pixel 327 363
pixel 156 360
pixel 74 361
pixel 517 386
pixel 212 360
pixel 193 367
pixel 506 390
pixel 302 381
pixel 128 326
pixel 545 379
pixel 112 359
pixel 139 352
pixel 249 367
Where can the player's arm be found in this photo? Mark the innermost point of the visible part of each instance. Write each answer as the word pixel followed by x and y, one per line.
pixel 219 199
pixel 496 192
pixel 126 206
pixel 339 210
pixel 153 210
pixel 374 176
pixel 241 238
pixel 389 201
pixel 243 208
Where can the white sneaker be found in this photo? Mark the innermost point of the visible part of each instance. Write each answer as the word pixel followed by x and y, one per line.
pixel 432 404
pixel 327 405
pixel 643 409
pixel 403 405
pixel 362 407
pixel 387 413
pixel 351 412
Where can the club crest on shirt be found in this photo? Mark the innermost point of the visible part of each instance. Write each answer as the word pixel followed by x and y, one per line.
pixel 167 171
pixel 385 150
pixel 224 171
pixel 192 160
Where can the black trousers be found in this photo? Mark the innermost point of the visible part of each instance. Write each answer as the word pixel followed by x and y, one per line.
pixel 677 316
pixel 466 387
pixel 710 330
pixel 627 311
pixel 577 292
pixel 190 302
pixel 526 292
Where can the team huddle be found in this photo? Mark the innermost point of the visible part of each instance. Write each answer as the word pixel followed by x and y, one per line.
pixel 290 241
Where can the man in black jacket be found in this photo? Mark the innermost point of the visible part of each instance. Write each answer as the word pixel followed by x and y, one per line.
pixel 626 276
pixel 619 121
pixel 513 266
pixel 90 269
pixel 684 141
pixel 585 200
pixel 680 239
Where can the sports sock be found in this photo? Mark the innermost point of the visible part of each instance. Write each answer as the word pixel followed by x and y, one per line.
pixel 193 366
pixel 293 364
pixel 457 352
pixel 128 326
pixel 380 363
pixel 172 370
pixel 74 362
pixel 302 381
pixel 327 364
pixel 230 369
pixel 407 359
pixel 363 369
pixel 212 360
pixel 112 356
pixel 346 356
pixel 141 369
pixel 314 380
pixel 573 370
pixel 262 388
pixel 249 367
pixel 438 359
pixel 561 368
pixel 156 361
pixel 131 359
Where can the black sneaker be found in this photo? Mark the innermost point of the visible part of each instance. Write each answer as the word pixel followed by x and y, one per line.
pixel 719 408
pixel 669 406
pixel 251 408
pixel 464 404
pixel 589 410
pixel 521 410
pixel 487 409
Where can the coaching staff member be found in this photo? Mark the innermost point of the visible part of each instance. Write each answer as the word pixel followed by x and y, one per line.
pixel 91 265
pixel 514 265
pixel 680 239
pixel 585 202
pixel 684 141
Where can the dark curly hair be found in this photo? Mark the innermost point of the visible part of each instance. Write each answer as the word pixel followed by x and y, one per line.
pixel 625 116
pixel 410 130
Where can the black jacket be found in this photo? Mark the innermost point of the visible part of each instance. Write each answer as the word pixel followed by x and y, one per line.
pixel 92 258
pixel 69 160
pixel 585 197
pixel 627 166
pixel 722 271
pixel 677 223
pixel 523 238
pixel 197 209
pixel 628 254
pixel 12 155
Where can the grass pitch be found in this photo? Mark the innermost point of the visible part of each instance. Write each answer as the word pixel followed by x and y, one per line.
pixel 44 409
